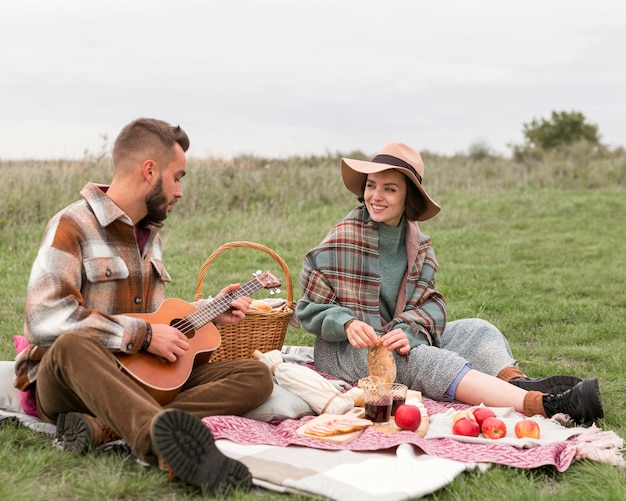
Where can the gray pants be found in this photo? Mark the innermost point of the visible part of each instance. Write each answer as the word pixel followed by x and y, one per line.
pixel 428 369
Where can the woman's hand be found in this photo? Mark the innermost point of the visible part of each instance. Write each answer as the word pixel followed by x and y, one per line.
pixel 238 307
pixel 361 335
pixel 397 341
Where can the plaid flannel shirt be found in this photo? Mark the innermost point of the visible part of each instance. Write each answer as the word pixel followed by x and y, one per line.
pixel 88 273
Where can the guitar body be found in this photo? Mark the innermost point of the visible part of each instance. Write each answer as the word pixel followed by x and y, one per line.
pixel 160 378
pixel 163 379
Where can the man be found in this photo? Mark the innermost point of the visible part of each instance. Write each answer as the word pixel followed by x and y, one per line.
pixel 100 261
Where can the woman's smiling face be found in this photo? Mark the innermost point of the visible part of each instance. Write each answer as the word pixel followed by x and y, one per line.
pixel 385 196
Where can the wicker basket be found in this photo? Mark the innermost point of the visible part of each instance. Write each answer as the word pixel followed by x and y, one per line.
pixel 263 331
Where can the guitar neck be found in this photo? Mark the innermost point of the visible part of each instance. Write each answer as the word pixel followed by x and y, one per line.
pixel 207 312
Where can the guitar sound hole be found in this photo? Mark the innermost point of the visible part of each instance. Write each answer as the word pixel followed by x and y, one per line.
pixel 183 326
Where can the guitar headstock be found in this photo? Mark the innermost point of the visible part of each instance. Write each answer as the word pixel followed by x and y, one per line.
pixel 268 280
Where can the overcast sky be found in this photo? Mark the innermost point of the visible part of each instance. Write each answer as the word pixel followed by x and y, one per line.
pixel 285 77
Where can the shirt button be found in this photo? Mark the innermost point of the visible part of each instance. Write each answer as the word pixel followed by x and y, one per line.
pixel 108 273
pixel 137 300
pixel 129 347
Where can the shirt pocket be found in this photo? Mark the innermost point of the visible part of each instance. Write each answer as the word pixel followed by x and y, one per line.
pixel 159 269
pixel 105 269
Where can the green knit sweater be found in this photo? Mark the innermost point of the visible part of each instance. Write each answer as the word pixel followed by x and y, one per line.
pixel 393 263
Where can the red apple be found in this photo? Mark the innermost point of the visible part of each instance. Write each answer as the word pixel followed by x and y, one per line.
pixel 462 414
pixel 482 413
pixel 527 428
pixel 408 417
pixel 466 426
pixel 493 428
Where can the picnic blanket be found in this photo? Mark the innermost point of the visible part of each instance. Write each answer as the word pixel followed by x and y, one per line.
pixel 345 475
pixel 283 460
pixel 558 446
pixel 280 459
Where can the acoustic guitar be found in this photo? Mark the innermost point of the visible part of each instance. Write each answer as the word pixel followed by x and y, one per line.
pixel 163 379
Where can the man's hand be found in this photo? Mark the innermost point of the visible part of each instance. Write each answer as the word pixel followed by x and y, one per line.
pixel 238 307
pixel 167 342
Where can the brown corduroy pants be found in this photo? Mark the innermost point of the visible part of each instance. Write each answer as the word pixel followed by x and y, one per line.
pixel 78 374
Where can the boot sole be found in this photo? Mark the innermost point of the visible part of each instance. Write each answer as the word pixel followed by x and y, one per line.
pixel 188 447
pixel 74 432
pixel 549 385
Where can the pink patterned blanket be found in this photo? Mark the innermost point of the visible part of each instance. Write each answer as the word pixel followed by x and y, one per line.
pixel 558 453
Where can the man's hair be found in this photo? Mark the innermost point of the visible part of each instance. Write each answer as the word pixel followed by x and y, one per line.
pixel 148 137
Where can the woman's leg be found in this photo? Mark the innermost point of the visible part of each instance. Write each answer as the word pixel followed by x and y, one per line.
pixel 582 402
pixel 488 351
pixel 443 375
pixel 481 344
pixel 476 388
pixel 429 370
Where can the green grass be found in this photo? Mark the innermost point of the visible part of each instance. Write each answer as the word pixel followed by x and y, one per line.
pixel 537 249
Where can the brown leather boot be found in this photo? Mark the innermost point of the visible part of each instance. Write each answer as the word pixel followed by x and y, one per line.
pixel 186 448
pixel 81 433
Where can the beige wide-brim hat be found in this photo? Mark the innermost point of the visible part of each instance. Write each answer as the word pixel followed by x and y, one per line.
pixel 396 156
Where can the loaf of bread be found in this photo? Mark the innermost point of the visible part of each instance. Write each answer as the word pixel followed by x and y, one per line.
pixel 380 362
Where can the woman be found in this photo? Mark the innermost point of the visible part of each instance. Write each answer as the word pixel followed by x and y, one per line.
pixel 372 281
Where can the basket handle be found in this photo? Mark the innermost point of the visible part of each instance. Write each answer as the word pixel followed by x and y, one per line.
pixel 251 245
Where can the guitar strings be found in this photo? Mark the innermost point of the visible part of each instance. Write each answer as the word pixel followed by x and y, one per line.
pixel 209 311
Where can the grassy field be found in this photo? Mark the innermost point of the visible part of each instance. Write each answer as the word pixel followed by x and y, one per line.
pixel 537 249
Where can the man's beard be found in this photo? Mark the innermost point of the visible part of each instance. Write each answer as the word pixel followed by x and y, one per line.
pixel 157 202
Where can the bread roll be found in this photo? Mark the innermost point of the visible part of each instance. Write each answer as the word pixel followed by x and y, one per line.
pixel 357 395
pixel 260 305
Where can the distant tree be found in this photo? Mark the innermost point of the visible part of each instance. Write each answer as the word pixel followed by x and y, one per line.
pixel 479 150
pixel 564 128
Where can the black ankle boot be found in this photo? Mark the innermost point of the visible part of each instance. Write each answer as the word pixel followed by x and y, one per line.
pixel 582 402
pixel 549 384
